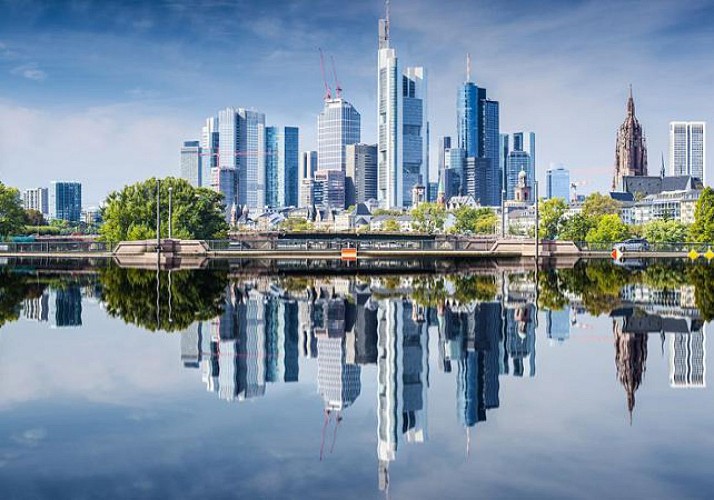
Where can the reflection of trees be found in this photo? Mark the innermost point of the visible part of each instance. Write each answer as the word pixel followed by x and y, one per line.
pixel 702 277
pixel 430 291
pixel 14 288
pixel 630 360
pixel 131 294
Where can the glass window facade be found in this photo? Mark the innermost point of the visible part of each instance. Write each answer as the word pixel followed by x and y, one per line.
pixel 66 201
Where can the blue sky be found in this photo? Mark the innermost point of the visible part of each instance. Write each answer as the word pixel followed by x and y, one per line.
pixel 105 92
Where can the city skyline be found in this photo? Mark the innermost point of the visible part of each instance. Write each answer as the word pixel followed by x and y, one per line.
pixel 60 85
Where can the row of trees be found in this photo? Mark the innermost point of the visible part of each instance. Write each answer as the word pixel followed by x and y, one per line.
pixel 600 221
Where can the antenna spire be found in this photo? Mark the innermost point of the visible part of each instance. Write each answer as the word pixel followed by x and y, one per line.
pixel 386 20
pixel 468 67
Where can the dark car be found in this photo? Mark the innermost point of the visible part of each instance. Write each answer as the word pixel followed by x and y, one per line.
pixel 633 245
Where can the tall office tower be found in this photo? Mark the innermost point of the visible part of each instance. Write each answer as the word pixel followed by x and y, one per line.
pixel 454 177
pixel 523 142
pixel 558 182
pixel 503 148
pixel 328 189
pixel 281 167
pixel 308 167
pixel 526 141
pixel 478 135
pixel 209 150
pixel 516 162
pixel 687 149
pixel 361 180
pixel 239 172
pixel 36 199
pixel 191 163
pixel 338 125
pixel 65 201
pixel 630 148
pixel 444 145
pixel 401 126
pixel 687 359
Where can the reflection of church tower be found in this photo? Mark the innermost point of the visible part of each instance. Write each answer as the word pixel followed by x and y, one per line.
pixel 630 360
pixel 520 339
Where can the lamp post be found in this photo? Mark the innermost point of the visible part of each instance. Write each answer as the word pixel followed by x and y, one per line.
pixel 171 189
pixel 537 222
pixel 503 213
pixel 158 216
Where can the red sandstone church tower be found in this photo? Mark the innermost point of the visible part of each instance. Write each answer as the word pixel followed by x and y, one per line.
pixel 631 148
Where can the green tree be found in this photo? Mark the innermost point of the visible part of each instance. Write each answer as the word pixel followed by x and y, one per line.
pixel 665 231
pixel 609 228
pixel 703 227
pixel 12 215
pixel 475 220
pixel 130 214
pixel 34 218
pixel 297 225
pixel 576 228
pixel 429 217
pixel 551 214
pixel 596 205
pixel 391 226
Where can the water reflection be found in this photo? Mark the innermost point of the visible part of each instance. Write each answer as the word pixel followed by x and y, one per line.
pixel 241 335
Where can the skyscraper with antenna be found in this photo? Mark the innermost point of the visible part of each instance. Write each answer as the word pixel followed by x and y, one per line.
pixel 401 124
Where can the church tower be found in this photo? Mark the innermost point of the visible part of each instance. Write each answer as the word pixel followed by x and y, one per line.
pixel 631 148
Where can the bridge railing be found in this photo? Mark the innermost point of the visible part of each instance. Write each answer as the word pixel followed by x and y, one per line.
pixel 287 244
pixel 679 247
pixel 56 247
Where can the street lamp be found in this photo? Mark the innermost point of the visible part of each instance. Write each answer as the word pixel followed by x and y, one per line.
pixel 171 189
pixel 158 216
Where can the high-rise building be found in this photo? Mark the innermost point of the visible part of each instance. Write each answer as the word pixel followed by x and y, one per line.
pixel 65 201
pixel 36 199
pixel 402 127
pixel 209 150
pixel 516 162
pixel 503 148
pixel 687 149
pixel 328 189
pixel 281 165
pixel 631 147
pixel 338 125
pixel 558 182
pixel 191 163
pixel 477 125
pixel 308 167
pixel 236 140
pixel 361 180
pixel 522 142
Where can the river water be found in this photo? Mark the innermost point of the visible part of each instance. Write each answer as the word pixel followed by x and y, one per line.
pixel 206 384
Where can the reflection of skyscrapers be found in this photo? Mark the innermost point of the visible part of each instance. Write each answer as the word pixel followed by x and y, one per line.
pixel 37 308
pixel 191 345
pixel 520 339
pixel 337 381
pixel 687 359
pixel 68 307
pixel 402 379
pixel 557 324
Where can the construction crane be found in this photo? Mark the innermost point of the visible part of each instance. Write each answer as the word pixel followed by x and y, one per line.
pixel 338 88
pixel 328 92
pixel 574 188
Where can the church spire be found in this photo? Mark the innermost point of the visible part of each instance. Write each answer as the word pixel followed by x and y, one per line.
pixel 630 104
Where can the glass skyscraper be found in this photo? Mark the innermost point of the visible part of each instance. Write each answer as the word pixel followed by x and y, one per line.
pixel 65 201
pixel 191 163
pixel 522 142
pixel 477 125
pixel 337 126
pixel 558 182
pixel 402 126
pixel 516 161
pixel 281 164
pixel 687 149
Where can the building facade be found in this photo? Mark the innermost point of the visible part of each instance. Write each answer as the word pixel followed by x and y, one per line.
pixel 518 142
pixel 328 188
pixel 337 126
pixel 401 126
pixel 558 182
pixel 517 161
pixel 308 167
pixel 687 149
pixel 281 167
pixel 191 163
pixel 65 201
pixel 630 148
pixel 36 199
pixel 361 173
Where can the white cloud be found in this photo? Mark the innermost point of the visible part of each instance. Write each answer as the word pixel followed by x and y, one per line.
pixel 103 147
pixel 31 71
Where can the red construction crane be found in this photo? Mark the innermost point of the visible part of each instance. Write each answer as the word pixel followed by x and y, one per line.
pixel 328 92
pixel 338 88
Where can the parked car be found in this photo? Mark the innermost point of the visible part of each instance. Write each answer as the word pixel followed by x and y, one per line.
pixel 633 245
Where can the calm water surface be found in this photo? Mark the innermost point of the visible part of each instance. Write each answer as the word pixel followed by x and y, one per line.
pixel 133 384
